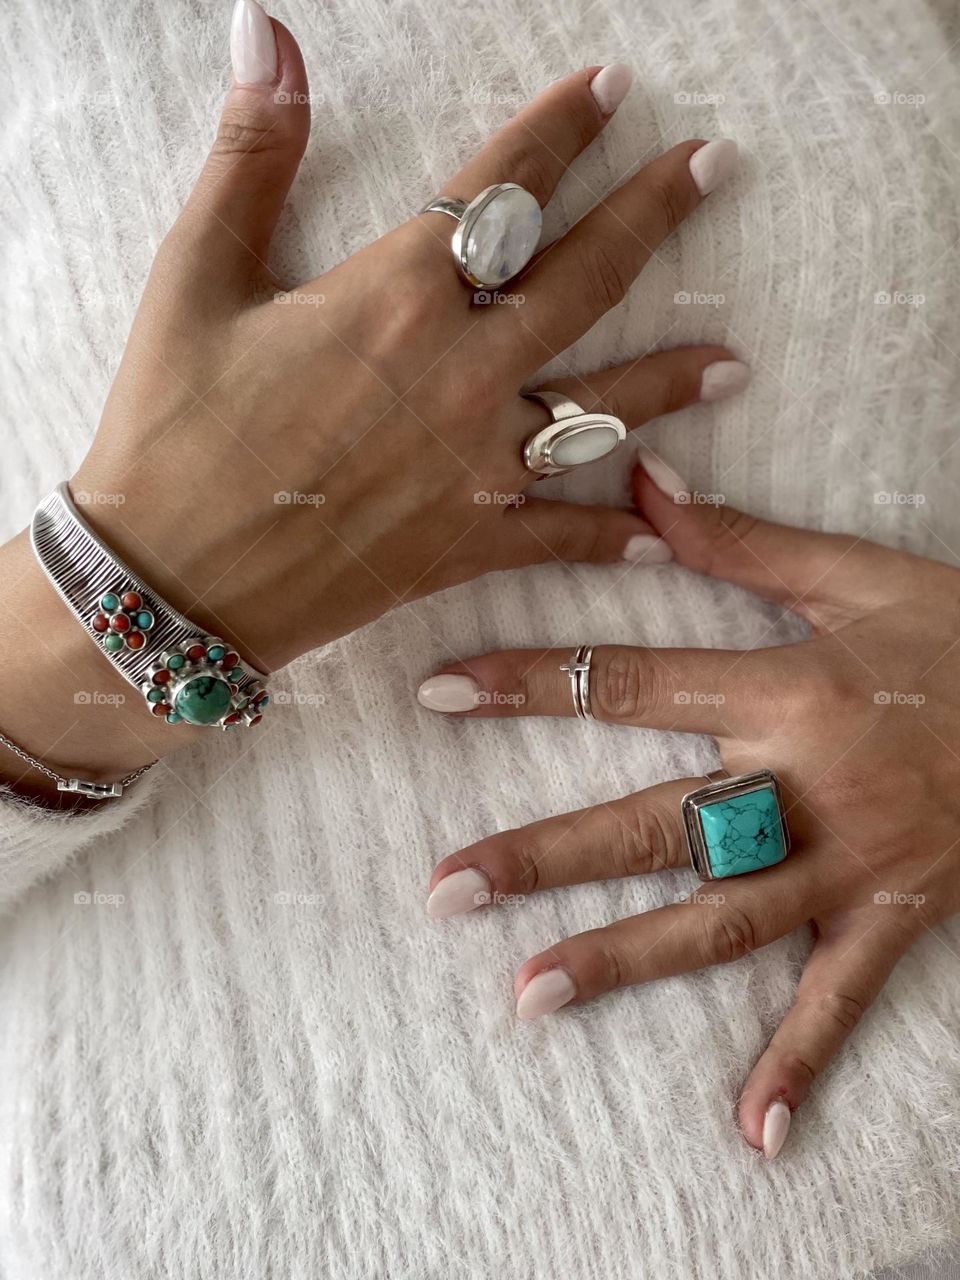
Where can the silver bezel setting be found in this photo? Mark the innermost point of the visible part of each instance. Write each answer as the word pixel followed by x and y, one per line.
pixel 248 696
pixel 465 226
pixel 725 788
pixel 539 449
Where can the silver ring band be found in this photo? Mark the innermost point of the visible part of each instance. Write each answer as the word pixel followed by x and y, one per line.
pixel 578 670
pixel 572 438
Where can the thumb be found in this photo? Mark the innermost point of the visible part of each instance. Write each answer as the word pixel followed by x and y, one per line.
pixel 260 141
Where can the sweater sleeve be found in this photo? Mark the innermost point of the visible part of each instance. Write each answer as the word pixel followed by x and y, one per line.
pixel 36 843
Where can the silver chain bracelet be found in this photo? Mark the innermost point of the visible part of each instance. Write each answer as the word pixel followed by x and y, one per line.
pixel 91 790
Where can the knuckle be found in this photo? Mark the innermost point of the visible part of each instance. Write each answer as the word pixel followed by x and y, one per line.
pixel 610 969
pixel 843 1009
pixel 580 540
pixel 605 273
pixel 669 202
pixel 731 531
pixel 728 934
pixel 624 685
pixel 533 170
pixel 646 843
pixel 521 855
pixel 246 131
pixel 795 1066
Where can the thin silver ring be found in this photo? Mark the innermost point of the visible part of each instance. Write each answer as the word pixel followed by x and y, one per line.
pixel 545 450
pixel 578 670
pixel 471 255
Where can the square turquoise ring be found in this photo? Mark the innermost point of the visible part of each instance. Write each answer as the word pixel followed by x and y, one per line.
pixel 736 825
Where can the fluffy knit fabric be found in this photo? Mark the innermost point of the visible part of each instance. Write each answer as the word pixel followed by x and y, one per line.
pixel 250 1053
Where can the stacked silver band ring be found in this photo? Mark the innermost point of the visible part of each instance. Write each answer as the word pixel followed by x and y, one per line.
pixel 184 674
pixel 578 670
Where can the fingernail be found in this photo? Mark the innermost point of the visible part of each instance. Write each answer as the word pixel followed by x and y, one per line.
pixel 253 46
pixel 448 693
pixel 459 892
pixel 713 164
pixel 776 1126
pixel 664 477
pixel 609 86
pixel 545 992
pixel 644 547
pixel 723 378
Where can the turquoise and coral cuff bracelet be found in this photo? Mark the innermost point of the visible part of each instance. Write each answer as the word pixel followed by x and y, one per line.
pixel 736 825
pixel 185 675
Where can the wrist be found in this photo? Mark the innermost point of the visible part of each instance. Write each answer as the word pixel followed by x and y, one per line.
pixel 60 699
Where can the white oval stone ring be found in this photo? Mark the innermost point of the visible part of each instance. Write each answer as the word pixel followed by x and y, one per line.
pixel 573 438
pixel 497 233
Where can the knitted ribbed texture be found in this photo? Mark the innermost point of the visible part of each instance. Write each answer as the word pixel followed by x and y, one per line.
pixel 206 1081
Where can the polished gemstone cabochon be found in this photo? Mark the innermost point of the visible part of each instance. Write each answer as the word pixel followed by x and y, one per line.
pixel 743 833
pixel 503 237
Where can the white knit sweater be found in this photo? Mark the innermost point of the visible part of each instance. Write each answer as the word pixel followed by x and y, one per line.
pixel 252 1054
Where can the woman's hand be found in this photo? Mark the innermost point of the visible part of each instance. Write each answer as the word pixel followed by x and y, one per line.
pixel 285 464
pixel 862 726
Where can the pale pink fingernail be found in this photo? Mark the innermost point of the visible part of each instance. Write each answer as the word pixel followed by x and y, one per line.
pixel 776 1126
pixel 448 693
pixel 664 477
pixel 723 378
pixel 459 892
pixel 545 992
pixel 609 86
pixel 643 548
pixel 253 46
pixel 713 164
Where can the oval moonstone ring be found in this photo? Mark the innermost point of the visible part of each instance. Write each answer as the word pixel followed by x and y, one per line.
pixel 497 233
pixel 572 438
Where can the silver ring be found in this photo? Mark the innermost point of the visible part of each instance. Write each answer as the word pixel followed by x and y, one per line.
pixel 497 233
pixel 578 670
pixel 735 825
pixel 573 437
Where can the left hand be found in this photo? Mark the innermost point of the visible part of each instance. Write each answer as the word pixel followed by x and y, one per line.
pixel 861 724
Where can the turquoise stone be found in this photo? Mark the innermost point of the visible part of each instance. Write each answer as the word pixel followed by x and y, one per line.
pixel 216 652
pixel 109 602
pixel 144 619
pixel 173 718
pixel 113 642
pixel 236 673
pixel 743 833
pixel 176 661
pixel 155 695
pixel 203 700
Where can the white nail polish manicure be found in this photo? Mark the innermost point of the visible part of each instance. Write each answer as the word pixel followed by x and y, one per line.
pixel 459 892
pixel 609 86
pixel 713 164
pixel 253 46
pixel 664 477
pixel 723 378
pixel 448 693
pixel 776 1126
pixel 646 549
pixel 545 992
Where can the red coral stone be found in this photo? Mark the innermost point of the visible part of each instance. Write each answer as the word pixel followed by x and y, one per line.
pixel 120 622
pixel 196 652
pixel 131 600
pixel 232 718
pixel 160 709
pixel 231 660
pixel 255 720
pixel 260 696
pixel 134 640
pixel 161 677
pixel 100 622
